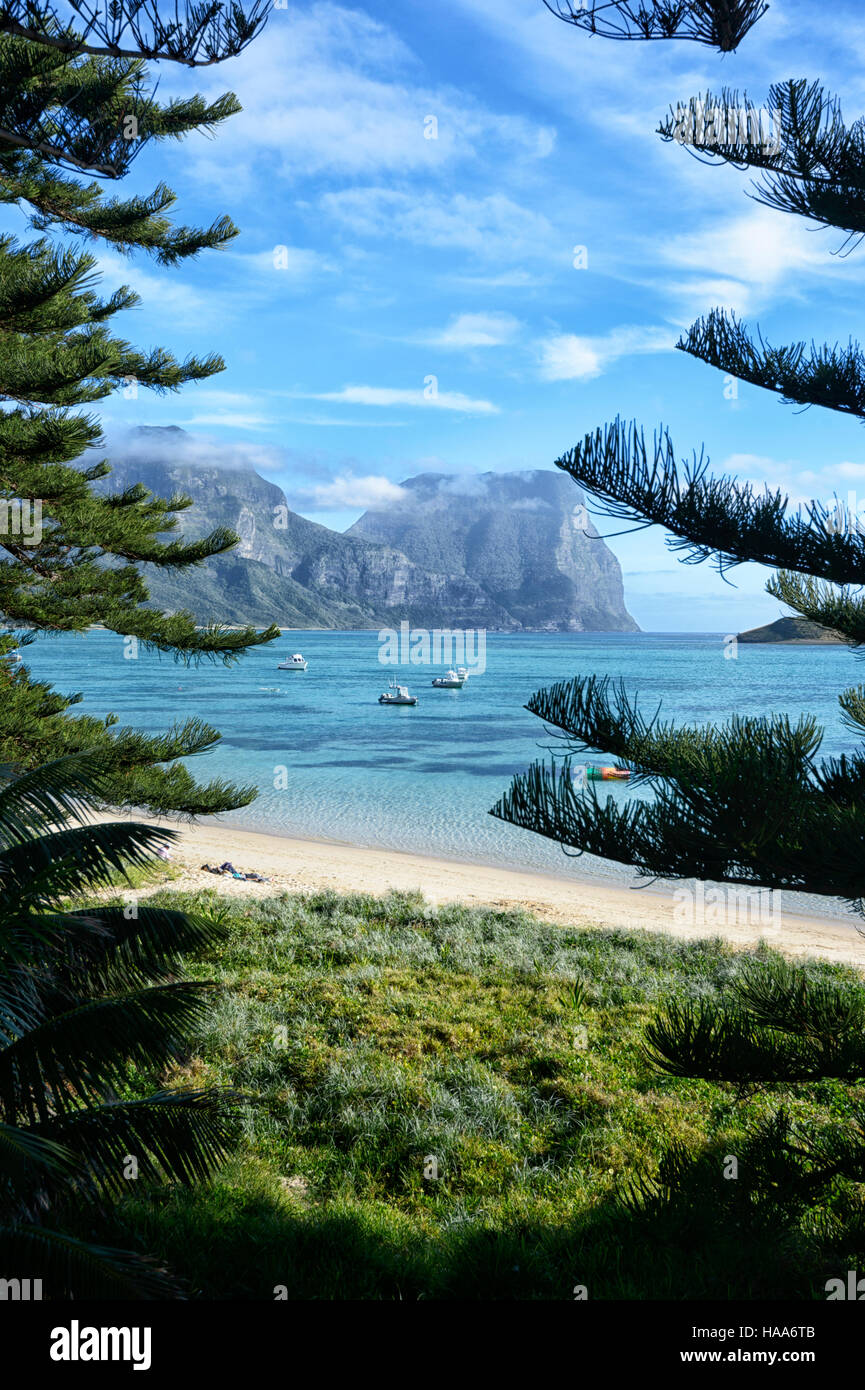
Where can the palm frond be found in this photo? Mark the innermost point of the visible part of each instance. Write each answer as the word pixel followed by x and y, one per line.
pixel 71 1268
pixel 76 1057
pixel 180 1135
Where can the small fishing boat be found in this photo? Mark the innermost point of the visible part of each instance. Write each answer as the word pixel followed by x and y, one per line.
pixel 453 680
pixel 293 663
pixel 397 695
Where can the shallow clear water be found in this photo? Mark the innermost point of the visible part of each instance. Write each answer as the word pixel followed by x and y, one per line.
pixel 423 778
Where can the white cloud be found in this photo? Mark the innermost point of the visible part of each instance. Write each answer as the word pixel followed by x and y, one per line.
pixel 745 261
pixel 386 396
pixel 329 90
pixel 802 485
pixel 567 357
pixel 492 227
pixel 159 290
pixel 507 280
pixel 476 330
pixel 341 422
pixel 211 395
pixel 350 491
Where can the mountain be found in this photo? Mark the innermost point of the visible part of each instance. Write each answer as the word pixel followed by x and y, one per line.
pixel 793 632
pixel 523 536
pixel 504 556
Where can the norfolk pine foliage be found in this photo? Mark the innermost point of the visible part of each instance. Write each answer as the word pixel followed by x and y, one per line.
pixel 69 108
pixel 751 802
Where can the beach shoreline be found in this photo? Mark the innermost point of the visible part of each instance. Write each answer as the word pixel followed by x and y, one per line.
pixel 296 865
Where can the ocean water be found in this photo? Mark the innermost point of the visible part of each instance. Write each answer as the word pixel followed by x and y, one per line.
pixel 331 763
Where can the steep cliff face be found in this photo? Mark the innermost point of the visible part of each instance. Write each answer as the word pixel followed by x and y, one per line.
pixel 507 558
pixel 524 537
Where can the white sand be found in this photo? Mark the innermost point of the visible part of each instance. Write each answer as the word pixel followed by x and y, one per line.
pixel 296 865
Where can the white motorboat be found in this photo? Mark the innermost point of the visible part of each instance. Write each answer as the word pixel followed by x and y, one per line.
pixel 293 663
pixel 452 680
pixel 397 695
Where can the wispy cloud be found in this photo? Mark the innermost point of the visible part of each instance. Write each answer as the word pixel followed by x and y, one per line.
pixel 333 91
pixel 229 419
pixel 801 483
pixel 176 446
pixel 475 331
pixel 171 296
pixel 568 357
pixel 747 260
pixel 387 396
pixel 492 227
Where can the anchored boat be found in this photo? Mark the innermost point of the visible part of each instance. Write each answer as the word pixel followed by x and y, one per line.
pixel 397 695
pixel 452 680
pixel 293 663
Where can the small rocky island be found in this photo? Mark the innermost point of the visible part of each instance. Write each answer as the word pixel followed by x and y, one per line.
pixel 793 632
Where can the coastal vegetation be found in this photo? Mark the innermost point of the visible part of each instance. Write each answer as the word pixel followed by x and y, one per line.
pixel 86 998
pixel 750 802
pixel 91 1001
pixel 72 552
pixel 460 1103
pixel 322 1096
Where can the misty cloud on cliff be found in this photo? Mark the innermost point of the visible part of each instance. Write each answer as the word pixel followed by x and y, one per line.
pixel 171 445
pixel 347 490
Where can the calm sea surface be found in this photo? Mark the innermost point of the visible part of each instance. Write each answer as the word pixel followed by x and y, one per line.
pixel 424 778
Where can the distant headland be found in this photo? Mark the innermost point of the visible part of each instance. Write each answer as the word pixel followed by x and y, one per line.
pixel 793 632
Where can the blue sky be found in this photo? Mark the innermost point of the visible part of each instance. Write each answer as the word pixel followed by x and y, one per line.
pixel 407 258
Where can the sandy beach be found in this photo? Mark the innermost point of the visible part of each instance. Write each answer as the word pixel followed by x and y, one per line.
pixel 297 865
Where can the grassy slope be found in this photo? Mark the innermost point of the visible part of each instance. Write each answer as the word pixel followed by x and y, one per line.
pixel 376 1035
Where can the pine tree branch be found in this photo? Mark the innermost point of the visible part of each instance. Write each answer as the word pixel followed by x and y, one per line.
pixel 709 517
pixel 200 34
pixel 745 803
pixel 775 1024
pixel 835 609
pixel 811 164
pixel 136 223
pixel 721 24
pixel 57 154
pixel 701 1038
pixel 852 704
pixel 88 114
pixel 747 827
pixel 833 377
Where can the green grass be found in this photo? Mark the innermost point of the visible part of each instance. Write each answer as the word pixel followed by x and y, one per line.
pixel 372 1035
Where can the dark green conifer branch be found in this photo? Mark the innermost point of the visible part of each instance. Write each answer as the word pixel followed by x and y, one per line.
pixel 750 804
pixel 837 609
pixel 721 24
pixel 833 377
pixel 709 517
pixel 68 108
pixel 193 32
pixel 811 163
